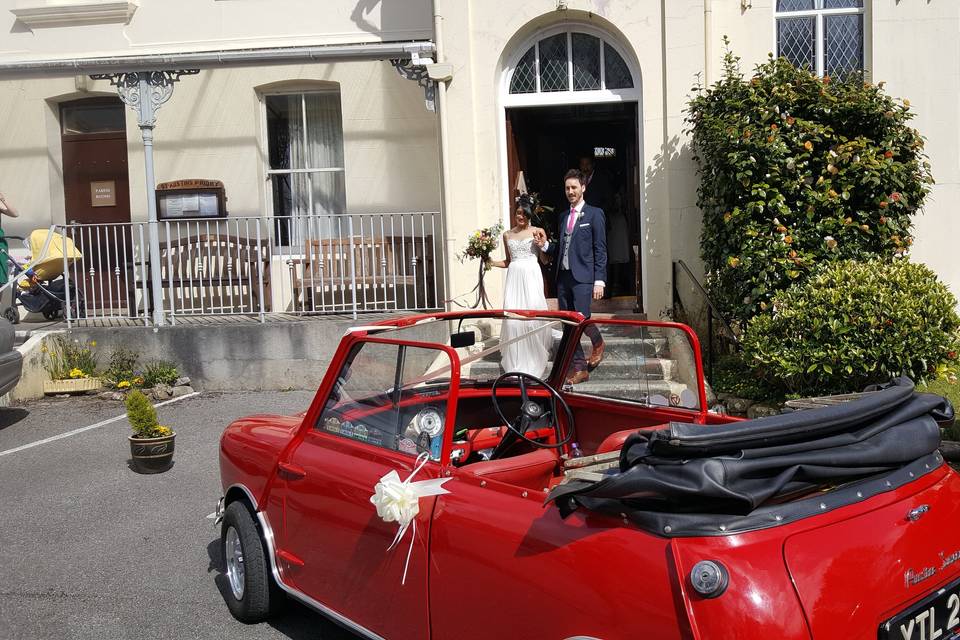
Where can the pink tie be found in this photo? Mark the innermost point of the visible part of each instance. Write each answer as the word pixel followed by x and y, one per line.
pixel 570 220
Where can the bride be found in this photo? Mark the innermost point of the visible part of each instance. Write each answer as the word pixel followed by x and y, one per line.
pixel 526 342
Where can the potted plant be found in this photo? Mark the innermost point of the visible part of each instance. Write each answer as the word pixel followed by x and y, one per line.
pixel 72 365
pixel 151 445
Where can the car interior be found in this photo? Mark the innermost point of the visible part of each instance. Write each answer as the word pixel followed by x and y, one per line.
pixel 511 428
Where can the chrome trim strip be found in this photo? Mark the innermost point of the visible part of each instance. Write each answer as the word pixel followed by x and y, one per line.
pixel 299 595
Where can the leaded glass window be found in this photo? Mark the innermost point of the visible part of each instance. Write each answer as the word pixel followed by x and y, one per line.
pixel 524 78
pixel 570 61
pixel 825 36
pixel 616 71
pixel 586 62
pixel 553 63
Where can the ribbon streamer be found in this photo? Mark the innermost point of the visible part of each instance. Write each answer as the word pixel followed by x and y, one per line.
pixel 399 501
pixel 481 290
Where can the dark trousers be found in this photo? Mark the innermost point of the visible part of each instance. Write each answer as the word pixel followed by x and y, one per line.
pixel 577 296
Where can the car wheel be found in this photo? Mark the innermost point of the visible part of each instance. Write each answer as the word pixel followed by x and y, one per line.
pixel 10 313
pixel 251 594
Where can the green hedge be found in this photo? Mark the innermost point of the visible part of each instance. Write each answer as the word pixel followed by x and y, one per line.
pixel 853 324
pixel 797 170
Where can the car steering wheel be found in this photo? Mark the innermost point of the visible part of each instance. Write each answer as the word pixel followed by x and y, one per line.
pixel 532 415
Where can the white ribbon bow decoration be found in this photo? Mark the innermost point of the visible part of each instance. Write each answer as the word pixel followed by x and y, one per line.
pixel 399 501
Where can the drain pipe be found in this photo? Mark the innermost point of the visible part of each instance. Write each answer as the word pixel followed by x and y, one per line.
pixel 441 75
pixel 707 42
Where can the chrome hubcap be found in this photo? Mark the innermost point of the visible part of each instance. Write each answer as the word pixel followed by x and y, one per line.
pixel 233 552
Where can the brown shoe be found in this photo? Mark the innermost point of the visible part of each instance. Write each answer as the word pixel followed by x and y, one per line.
pixel 595 357
pixel 577 377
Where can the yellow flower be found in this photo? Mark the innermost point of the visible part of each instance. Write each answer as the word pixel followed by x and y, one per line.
pixel 163 432
pixel 77 373
pixel 93 343
pixel 138 380
pixel 808 145
pixel 123 384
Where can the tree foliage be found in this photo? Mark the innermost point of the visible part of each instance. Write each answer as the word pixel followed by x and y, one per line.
pixel 797 170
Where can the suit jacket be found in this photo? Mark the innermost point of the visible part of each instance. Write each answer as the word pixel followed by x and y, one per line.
pixel 588 246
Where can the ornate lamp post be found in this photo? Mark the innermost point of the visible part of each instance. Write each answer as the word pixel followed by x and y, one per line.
pixel 145 92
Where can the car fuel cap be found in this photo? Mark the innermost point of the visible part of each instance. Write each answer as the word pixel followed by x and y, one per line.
pixel 709 578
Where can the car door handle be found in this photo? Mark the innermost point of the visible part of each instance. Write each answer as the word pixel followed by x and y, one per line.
pixel 291 471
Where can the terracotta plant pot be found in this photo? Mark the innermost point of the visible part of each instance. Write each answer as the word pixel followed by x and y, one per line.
pixel 75 385
pixel 152 455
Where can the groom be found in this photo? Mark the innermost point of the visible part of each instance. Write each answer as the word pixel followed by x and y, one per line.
pixel 580 264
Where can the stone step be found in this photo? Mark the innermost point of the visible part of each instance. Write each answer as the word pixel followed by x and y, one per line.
pixel 611 389
pixel 609 369
pixel 653 347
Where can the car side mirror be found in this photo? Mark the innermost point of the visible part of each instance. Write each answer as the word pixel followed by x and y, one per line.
pixel 463 339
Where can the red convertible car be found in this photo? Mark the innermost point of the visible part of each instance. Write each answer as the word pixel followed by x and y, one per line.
pixel 428 493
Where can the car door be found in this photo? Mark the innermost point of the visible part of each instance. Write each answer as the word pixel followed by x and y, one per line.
pixel 504 564
pixel 334 548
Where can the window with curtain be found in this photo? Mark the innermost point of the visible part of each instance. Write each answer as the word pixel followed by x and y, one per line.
pixel 305 147
pixel 825 36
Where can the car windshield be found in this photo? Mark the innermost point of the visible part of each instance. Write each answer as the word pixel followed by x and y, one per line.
pixel 488 346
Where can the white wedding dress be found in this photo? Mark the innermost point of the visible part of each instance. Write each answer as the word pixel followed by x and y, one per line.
pixel 525 345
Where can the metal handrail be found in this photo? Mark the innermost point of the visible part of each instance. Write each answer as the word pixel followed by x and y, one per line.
pixel 710 303
pixel 712 311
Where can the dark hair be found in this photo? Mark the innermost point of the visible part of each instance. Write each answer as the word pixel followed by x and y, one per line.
pixel 574 173
pixel 527 203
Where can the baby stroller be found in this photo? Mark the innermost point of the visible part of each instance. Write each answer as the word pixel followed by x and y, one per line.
pixel 39 285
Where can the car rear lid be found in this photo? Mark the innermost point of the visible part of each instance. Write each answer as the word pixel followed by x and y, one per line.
pixel 853 575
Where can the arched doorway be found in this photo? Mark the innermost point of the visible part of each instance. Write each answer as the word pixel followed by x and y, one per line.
pixel 569 92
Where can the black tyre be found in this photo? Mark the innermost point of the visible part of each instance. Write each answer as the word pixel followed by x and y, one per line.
pixel 10 313
pixel 251 594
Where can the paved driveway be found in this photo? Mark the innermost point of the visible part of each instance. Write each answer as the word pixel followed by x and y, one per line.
pixel 90 549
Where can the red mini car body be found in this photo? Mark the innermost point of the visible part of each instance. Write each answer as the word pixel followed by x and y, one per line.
pixel 491 555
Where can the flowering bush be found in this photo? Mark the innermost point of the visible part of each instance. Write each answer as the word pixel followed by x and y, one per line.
pixel 795 171
pixel 481 243
pixel 853 324
pixel 66 359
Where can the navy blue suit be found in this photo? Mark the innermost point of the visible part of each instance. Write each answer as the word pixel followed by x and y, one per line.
pixel 587 260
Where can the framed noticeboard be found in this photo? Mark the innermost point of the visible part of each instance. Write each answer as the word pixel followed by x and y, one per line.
pixel 103 193
pixel 191 199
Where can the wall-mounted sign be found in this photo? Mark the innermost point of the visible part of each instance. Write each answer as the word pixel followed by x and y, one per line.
pixel 191 199
pixel 103 194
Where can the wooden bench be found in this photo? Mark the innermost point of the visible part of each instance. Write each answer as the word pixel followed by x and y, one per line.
pixel 385 272
pixel 209 273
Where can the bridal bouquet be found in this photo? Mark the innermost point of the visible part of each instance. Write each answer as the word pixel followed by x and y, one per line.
pixel 481 244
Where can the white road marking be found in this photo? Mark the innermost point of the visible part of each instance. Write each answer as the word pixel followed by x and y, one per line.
pixel 87 428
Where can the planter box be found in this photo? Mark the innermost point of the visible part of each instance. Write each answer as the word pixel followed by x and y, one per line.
pixel 78 385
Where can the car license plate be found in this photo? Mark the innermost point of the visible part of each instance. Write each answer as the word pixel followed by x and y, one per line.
pixel 936 617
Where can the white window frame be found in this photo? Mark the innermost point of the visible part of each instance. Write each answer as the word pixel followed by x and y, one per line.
pixel 268 172
pixel 818 12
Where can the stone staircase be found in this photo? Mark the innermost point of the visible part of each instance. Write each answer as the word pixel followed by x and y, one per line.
pixel 632 369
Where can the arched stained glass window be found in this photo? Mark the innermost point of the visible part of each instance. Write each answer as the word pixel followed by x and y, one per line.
pixel 570 61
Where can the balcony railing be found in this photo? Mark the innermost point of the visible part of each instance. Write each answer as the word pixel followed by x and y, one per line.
pixel 349 263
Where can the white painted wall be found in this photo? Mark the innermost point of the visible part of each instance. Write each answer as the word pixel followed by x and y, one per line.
pixel 211 127
pixel 169 26
pixel 481 37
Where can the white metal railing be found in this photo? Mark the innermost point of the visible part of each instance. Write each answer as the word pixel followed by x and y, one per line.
pixel 350 263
